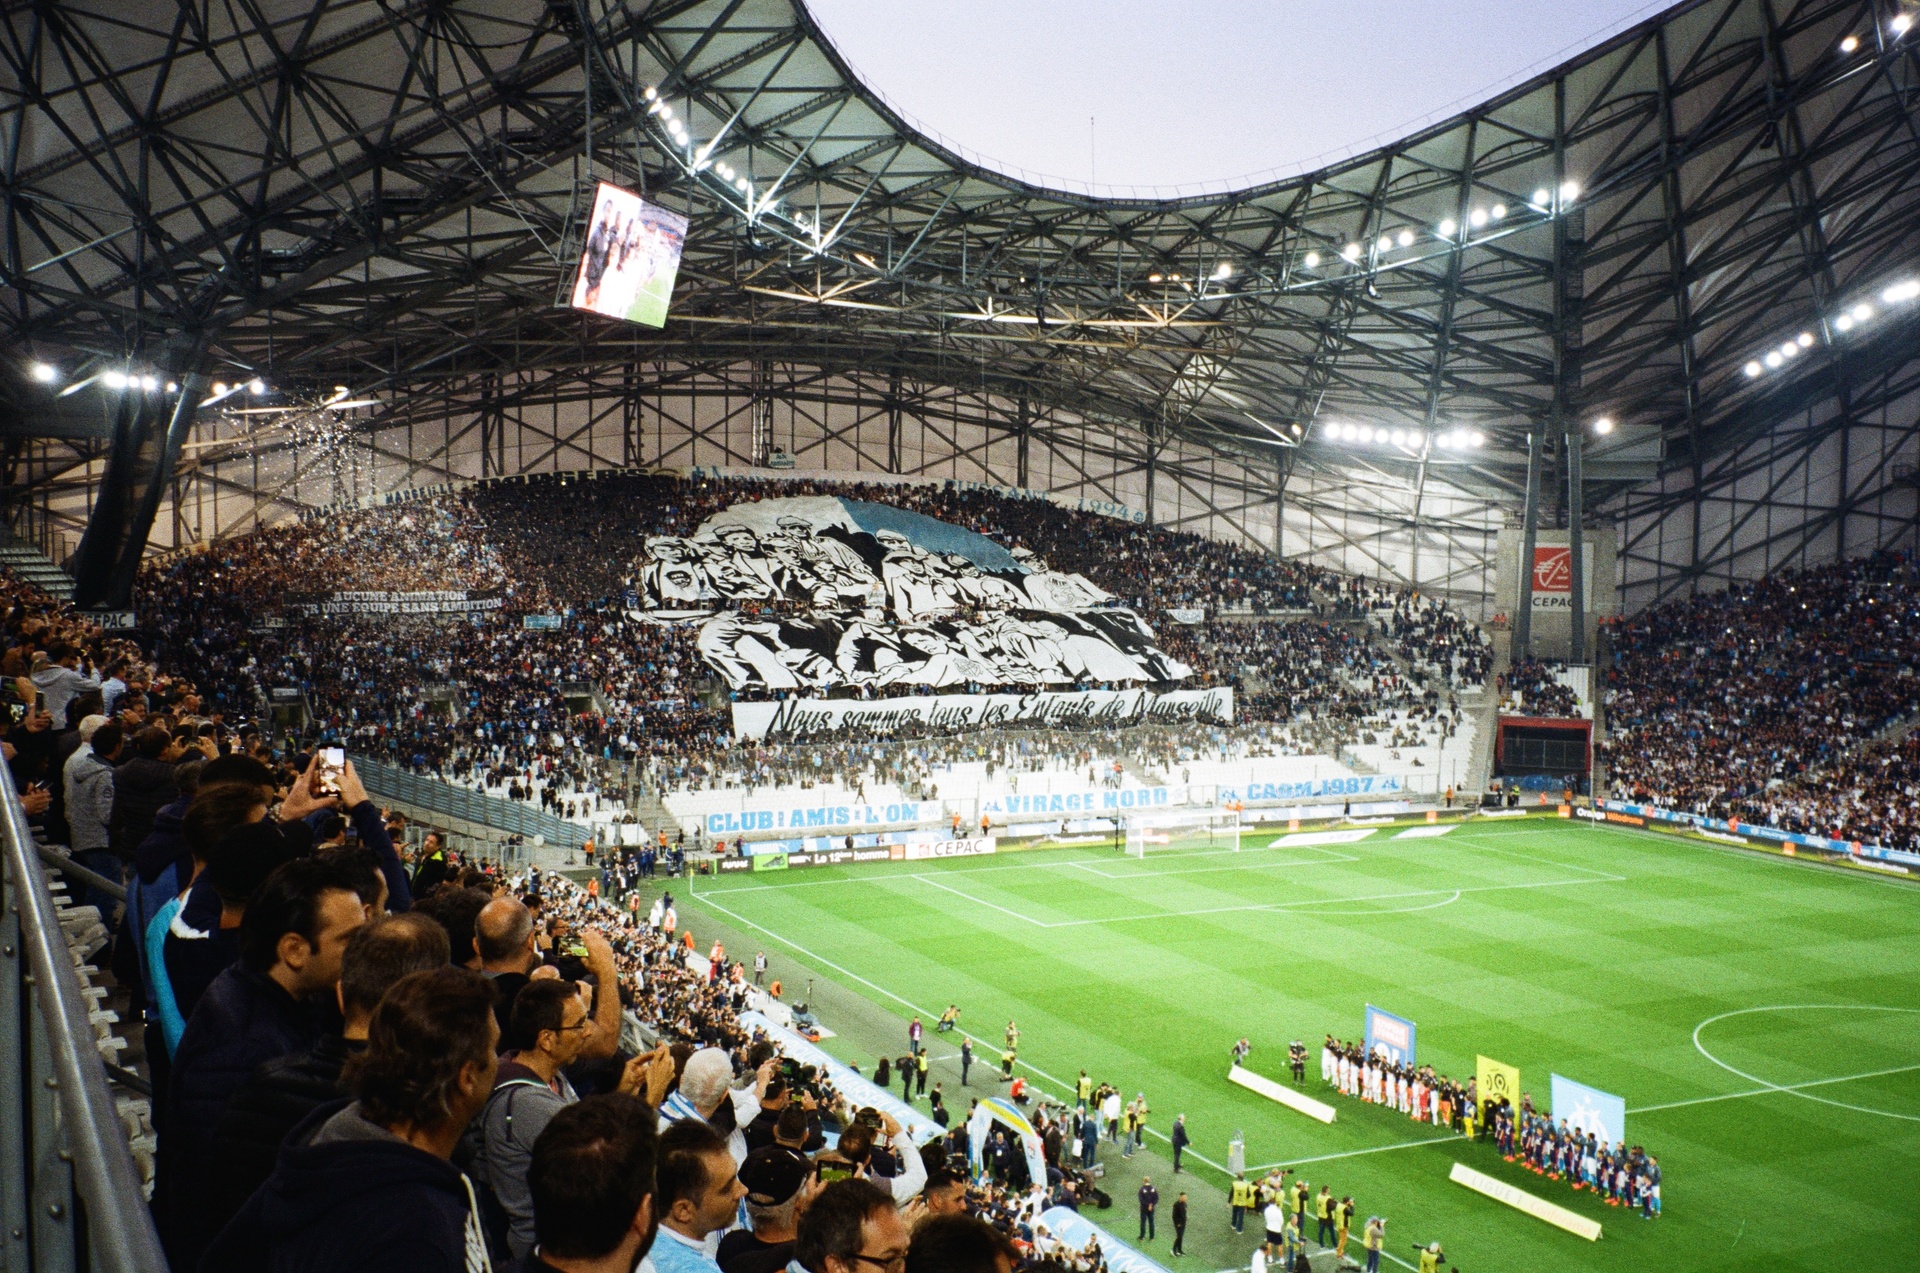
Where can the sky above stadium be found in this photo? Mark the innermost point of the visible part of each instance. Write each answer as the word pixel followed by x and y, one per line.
pixel 1132 92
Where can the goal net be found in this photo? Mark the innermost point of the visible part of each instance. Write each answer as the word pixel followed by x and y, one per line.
pixel 1163 827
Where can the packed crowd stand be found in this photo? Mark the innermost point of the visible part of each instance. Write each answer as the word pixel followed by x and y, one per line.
pixel 1533 687
pixel 1763 703
pixel 483 700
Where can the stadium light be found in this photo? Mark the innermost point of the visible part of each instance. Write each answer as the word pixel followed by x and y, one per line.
pixel 1603 426
pixel 1477 218
pixel 1447 228
pixel 45 373
pixel 1753 369
pixel 1499 211
pixel 1861 312
pixel 150 383
pixel 256 386
pixel 1399 437
pixel 1350 253
pixel 1902 291
pixel 1542 199
pixel 653 94
pixel 1849 44
pixel 173 387
pixel 1804 340
pixel 1406 238
pixel 115 379
pixel 1311 260
pixel 1384 245
pixel 1901 22
pixel 1569 191
pixel 1844 323
pixel 1223 271
pixel 1773 358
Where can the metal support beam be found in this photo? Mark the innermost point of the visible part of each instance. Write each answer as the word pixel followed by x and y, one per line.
pixel 1530 520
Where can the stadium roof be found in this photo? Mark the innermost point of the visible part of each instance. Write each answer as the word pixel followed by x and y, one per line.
pixel 389 196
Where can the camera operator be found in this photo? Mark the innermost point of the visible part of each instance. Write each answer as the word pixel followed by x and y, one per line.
pixel 868 1147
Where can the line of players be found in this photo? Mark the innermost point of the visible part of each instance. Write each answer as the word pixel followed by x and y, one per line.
pixel 1624 1177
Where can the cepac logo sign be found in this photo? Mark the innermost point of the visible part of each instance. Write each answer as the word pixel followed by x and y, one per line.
pixel 1553 578
pixel 1553 570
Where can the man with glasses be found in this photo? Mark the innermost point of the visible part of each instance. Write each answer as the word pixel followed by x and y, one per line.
pixel 548 1028
pixel 852 1226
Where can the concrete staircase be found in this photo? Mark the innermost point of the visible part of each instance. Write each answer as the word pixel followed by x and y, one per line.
pixel 29 563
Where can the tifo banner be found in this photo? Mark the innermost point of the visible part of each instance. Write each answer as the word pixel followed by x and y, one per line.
pixel 847 554
pixel 879 596
pixel 1496 1081
pixel 798 717
pixel 1553 578
pixel 1588 1109
pixel 1359 785
pixel 1390 1036
pixel 454 601
pixel 1009 647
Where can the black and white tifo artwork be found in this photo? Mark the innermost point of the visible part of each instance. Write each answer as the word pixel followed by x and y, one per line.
pixel 870 596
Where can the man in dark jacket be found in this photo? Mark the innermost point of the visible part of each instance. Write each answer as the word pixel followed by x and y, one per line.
pixel 283 1092
pixel 593 1180
pixel 142 786
pixel 366 1186
pixel 291 941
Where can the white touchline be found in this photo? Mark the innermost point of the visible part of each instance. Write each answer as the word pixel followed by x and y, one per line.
pixel 1782 1087
pixel 1065 1088
pixel 1356 1153
pixel 978 901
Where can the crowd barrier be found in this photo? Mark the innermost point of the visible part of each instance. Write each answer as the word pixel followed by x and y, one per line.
pixel 1621 811
pixel 850 1083
pixel 432 794
pixel 70 1193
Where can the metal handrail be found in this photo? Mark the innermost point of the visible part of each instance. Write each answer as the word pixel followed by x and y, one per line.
pixel 122 1238
pixel 93 879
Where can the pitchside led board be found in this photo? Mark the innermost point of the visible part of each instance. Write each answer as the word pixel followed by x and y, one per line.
pixel 1390 1036
pixel 631 256
pixel 1586 1108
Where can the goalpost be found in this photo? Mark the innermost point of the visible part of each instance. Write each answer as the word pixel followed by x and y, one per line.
pixel 1161 827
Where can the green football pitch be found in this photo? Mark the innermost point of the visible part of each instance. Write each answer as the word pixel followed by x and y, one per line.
pixel 1761 1017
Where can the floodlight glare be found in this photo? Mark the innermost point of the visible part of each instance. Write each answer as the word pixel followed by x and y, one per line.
pixel 149 383
pixel 45 374
pixel 219 388
pixel 1153 278
pixel 1477 218
pixel 1311 260
pixel 1569 191
pixel 1900 23
pixel 1603 426
pixel 1844 323
pixel 1790 350
pixel 1862 312
pixel 1477 438
pixel 1399 437
pixel 1384 244
pixel 1406 238
pixel 1903 291
pixel 1753 369
pixel 1351 252
pixel 1499 211
pixel 1223 270
pixel 1447 228
pixel 115 379
pixel 256 386
pixel 1805 339
pixel 653 93
pixel 172 387
pixel 1541 198
pixel 1774 359
pixel 1849 44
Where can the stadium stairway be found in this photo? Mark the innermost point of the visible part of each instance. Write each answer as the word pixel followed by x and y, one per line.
pixel 27 562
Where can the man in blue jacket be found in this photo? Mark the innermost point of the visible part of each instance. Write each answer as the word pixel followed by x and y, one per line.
pixel 366 1186
pixel 291 941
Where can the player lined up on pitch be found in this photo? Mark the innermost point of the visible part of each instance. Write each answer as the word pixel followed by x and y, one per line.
pixel 1623 1176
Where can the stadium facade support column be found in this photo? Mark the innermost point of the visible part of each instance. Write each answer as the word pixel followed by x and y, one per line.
pixel 1530 530
pixel 1576 561
pixel 1023 435
pixel 146 446
pixel 1153 470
